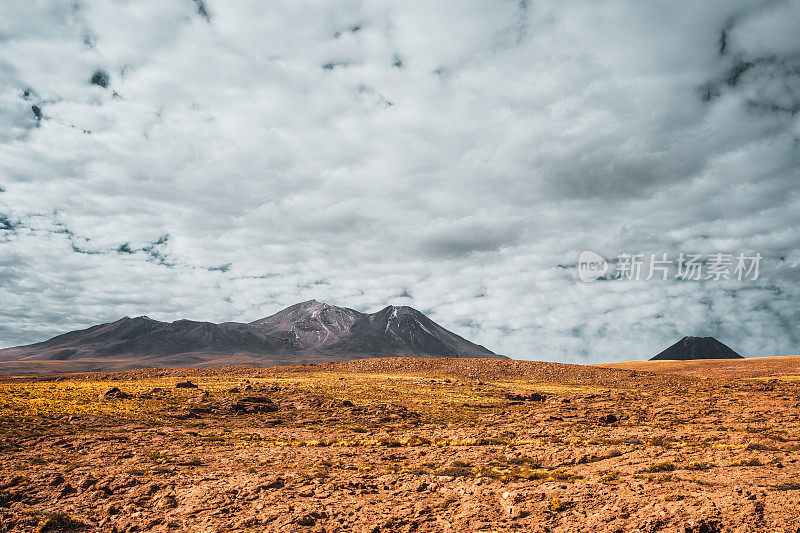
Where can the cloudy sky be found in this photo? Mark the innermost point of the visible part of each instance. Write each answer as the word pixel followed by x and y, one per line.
pixel 219 160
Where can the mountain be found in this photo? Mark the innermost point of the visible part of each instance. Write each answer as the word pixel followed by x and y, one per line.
pixel 323 328
pixel 689 348
pixel 306 332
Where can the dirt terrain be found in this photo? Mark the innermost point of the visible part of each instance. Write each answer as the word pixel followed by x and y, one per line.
pixel 406 445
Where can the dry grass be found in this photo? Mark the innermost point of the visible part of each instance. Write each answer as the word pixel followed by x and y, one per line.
pixel 343 435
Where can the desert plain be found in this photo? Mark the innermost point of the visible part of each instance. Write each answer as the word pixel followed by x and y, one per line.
pixel 405 445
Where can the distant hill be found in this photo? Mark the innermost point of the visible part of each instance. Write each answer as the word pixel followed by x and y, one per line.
pixel 689 348
pixel 305 332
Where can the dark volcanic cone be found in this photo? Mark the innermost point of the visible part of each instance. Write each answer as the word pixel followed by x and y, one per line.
pixel 689 348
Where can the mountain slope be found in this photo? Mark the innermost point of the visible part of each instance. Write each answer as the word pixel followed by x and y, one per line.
pixel 143 336
pixel 689 348
pixel 323 328
pixel 310 324
pixel 308 331
pixel 404 331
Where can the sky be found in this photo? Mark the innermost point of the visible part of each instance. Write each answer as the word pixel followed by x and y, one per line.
pixel 220 160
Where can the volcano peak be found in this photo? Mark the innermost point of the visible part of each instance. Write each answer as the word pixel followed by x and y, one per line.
pixel 690 348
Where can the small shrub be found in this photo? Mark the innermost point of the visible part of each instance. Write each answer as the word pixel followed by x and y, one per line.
pixel 564 475
pixel 454 471
pixel 416 440
pixel 699 466
pixel 522 460
pixel 156 457
pixel 59 521
pixel 666 466
pixel 607 476
pixel 447 502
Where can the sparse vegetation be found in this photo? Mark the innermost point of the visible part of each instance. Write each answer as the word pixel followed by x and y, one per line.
pixel 607 476
pixel 699 465
pixel 747 462
pixel 371 437
pixel 666 466
pixel 60 522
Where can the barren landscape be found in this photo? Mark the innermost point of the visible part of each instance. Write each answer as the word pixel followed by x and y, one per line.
pixel 406 445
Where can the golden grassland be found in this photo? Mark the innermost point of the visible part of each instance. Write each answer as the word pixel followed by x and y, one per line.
pixel 349 432
pixel 32 406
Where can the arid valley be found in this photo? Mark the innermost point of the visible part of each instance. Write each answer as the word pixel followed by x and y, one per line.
pixel 404 444
pixel 399 266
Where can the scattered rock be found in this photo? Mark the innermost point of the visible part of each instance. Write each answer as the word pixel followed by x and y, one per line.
pixel 114 392
pixel 305 520
pixel 608 419
pixel 167 501
pixel 310 519
pixel 702 526
pixel 152 393
pixel 11 481
pixel 87 482
pixel 277 483
pixel 220 472
pixel 250 404
pixel 200 398
pixel 185 385
pixel 525 396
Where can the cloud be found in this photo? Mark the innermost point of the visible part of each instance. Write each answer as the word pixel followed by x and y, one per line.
pixel 217 161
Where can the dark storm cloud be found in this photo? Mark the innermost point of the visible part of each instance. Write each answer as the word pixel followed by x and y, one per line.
pixel 459 240
pixel 202 10
pixel 6 224
pixel 453 156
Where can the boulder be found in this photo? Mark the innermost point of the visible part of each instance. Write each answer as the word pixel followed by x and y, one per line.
pixel 114 393
pixel 525 396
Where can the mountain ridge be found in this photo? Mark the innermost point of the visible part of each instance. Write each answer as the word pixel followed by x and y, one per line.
pixel 306 331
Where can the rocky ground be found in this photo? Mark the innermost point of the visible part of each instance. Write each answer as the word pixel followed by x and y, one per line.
pixel 405 445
